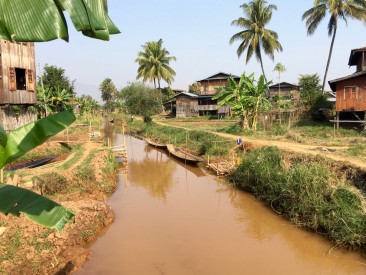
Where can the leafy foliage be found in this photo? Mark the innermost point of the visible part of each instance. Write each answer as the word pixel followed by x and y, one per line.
pixel 245 98
pixel 54 78
pixel 16 200
pixel 141 100
pixel 255 37
pixel 154 63
pixel 21 20
pixel 108 90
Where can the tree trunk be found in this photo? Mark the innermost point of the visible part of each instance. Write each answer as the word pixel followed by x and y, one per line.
pixel 154 83
pixel 330 55
pixel 261 61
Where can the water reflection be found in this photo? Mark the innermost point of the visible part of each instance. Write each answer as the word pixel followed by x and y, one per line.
pixel 159 179
pixel 204 226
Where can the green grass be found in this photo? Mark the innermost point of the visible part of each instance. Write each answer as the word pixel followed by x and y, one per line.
pixel 307 192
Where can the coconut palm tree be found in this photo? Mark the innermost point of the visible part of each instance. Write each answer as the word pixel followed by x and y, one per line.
pixel 280 68
pixel 337 9
pixel 154 63
pixel 255 37
pixel 44 20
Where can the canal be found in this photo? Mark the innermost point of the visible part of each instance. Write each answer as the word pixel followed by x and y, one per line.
pixel 177 219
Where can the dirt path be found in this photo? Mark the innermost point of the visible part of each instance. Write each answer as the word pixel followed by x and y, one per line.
pixel 328 152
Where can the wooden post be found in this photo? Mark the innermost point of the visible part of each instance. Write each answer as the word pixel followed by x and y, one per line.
pixel 337 118
pixel 2 176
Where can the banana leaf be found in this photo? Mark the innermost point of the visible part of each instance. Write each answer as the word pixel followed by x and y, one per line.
pixel 44 20
pixel 27 137
pixel 16 200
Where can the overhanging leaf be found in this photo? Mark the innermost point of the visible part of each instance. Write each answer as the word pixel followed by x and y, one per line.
pixel 3 137
pixel 43 20
pixel 16 200
pixel 29 136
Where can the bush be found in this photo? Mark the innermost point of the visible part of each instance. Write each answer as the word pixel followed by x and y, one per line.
pixel 304 192
pixel 50 183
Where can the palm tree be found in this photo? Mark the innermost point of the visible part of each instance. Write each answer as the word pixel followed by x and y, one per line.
pixel 338 9
pixel 255 36
pixel 34 21
pixel 154 63
pixel 280 68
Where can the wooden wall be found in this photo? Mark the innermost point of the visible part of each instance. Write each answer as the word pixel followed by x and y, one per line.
pixel 185 105
pixel 210 87
pixel 355 102
pixel 11 120
pixel 17 55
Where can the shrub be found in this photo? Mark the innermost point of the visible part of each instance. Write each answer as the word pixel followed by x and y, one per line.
pixel 50 183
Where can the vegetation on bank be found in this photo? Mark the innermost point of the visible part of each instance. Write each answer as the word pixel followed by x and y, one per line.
pixel 197 142
pixel 308 192
pixel 312 192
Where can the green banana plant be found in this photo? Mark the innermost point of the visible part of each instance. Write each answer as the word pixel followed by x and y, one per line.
pixel 16 200
pixel 43 20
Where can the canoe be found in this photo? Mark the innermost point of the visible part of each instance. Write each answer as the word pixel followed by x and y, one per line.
pixel 32 164
pixel 155 144
pixel 180 154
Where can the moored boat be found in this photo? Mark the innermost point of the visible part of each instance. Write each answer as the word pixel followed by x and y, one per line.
pixel 179 153
pixel 155 144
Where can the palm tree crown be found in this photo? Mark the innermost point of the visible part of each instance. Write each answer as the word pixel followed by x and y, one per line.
pixel 255 36
pixel 154 63
pixel 338 9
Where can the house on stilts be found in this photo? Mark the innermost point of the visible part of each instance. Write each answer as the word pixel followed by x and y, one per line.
pixel 351 91
pixel 17 84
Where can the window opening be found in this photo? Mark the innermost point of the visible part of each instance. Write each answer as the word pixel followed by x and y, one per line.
pixel 20 79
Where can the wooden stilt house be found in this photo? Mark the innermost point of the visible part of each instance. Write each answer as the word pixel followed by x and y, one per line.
pixel 17 84
pixel 351 90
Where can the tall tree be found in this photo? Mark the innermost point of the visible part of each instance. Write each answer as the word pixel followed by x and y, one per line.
pixel 108 90
pixel 255 37
pixel 154 63
pixel 44 20
pixel 141 100
pixel 54 79
pixel 280 68
pixel 338 9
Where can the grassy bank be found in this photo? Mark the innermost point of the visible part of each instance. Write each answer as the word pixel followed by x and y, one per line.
pixel 318 194
pixel 196 142
pixel 307 191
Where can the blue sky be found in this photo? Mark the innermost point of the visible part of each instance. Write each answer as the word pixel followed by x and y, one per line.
pixel 197 33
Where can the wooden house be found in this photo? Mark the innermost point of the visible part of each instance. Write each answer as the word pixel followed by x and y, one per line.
pixel 17 84
pixel 186 104
pixel 351 90
pixel 208 86
pixel 285 89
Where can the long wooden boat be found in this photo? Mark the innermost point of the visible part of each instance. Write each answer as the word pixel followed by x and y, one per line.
pixel 32 164
pixel 155 144
pixel 179 153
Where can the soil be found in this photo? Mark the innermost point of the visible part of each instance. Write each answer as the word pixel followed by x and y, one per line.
pixel 27 248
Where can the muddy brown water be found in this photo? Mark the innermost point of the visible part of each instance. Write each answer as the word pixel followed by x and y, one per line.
pixel 176 219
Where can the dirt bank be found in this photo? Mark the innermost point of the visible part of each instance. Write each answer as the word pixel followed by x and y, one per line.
pixel 27 248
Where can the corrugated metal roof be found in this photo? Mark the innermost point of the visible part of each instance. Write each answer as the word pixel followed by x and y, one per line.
pixel 354 56
pixel 284 84
pixel 219 76
pixel 332 83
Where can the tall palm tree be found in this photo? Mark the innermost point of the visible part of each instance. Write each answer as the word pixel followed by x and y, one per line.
pixel 154 63
pixel 255 36
pixel 280 68
pixel 338 9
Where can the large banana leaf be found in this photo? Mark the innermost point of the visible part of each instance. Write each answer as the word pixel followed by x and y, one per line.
pixel 16 200
pixel 43 20
pixel 27 137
